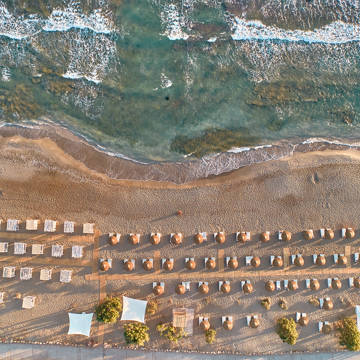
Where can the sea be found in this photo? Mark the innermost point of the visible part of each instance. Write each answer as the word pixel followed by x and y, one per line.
pixel 178 80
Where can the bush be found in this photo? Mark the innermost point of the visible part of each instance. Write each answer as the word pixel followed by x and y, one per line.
pixel 151 307
pixel 109 310
pixel 210 336
pixel 266 303
pixel 286 329
pixel 283 304
pixel 136 333
pixel 349 334
pixel 170 332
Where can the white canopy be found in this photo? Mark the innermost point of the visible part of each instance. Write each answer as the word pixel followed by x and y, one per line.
pixel 133 309
pixel 80 324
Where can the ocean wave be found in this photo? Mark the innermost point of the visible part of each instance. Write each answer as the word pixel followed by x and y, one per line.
pixel 173 23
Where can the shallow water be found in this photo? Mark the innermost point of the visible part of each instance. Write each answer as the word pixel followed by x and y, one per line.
pixel 157 80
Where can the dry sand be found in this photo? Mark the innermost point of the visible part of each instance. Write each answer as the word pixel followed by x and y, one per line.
pixel 312 190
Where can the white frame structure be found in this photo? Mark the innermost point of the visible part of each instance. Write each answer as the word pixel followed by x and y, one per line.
pixel 77 251
pixel 57 251
pixel 45 274
pixel 25 273
pixel 49 225
pixel 9 272
pixel 12 225
pixel 65 276
pixel 88 228
pixel 69 227
pixel 19 248
pixel 32 225
pixel 37 249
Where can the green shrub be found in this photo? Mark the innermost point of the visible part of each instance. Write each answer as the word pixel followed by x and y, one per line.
pixel 136 333
pixel 210 336
pixel 286 329
pixel 151 307
pixel 349 334
pixel 283 305
pixel 170 332
pixel 109 310
pixel 266 303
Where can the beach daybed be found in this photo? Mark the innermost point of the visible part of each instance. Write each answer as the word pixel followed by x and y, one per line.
pixel 158 288
pixel 37 249
pixel 77 251
pixel 9 272
pixel 28 302
pixel 65 276
pixel 25 273
pixel 31 225
pixel 4 247
pixel 45 274
pixel 57 251
pixel 69 227
pixel 19 248
pixel 12 225
pixel 88 228
pixel 49 225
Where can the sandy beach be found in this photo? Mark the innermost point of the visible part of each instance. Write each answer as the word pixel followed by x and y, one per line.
pixel 39 179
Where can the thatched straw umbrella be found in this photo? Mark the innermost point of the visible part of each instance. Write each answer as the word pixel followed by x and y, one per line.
pixel 225 287
pixel 228 324
pixel 211 264
pixel 233 264
pixel 308 234
pixel 329 234
pixel 158 290
pixel 168 265
pixel 134 239
pixel 314 284
pixel 242 237
pixel 357 282
pixel 129 265
pixel 326 329
pixel 147 265
pixel 286 235
pixel 270 286
pixel 205 325
pixel 191 264
pixel 328 304
pixel 293 285
pixel 342 260
pixel 180 289
pixel 176 239
pixel 248 288
pixel 198 239
pixel 113 240
pixel 204 288
pixel 278 261
pixel 254 322
pixel 155 239
pixel 304 320
pixel 220 238
pixel 336 284
pixel 255 261
pixel 299 261
pixel 320 260
pixel 104 265
pixel 265 237
pixel 350 233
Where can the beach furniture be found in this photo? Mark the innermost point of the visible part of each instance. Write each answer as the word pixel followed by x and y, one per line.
pixel 308 234
pixel 77 251
pixel 312 284
pixel 49 225
pixel 253 321
pixel 32 225
pixel 114 238
pixel 158 288
pixel 270 285
pixel 319 260
pixel 265 236
pixel 302 319
pixel 12 225
pixel 129 264
pixel 148 264
pixel 351 282
pixel 200 237
pixel 254 261
pixel 134 239
pixel 176 238
pixel 293 285
pixel 357 282
pixel 182 288
pixel 203 287
pixel 2 294
pixel 227 322
pixel 329 234
pixel 276 261
pixel 9 272
pixel 210 263
pixel 326 303
pixel 220 237
pixel 334 283
pixel 204 323
pixel 347 233
pixel 232 262
pixel 65 276
pixel 57 251
pixel 19 248
pixel 224 286
pixel 28 302
pixel 284 235
pixel 37 249
pixel 4 247
pixel 243 236
pixel 155 238
pixel 278 285
pixel 190 263
pixel 286 284
pixel 25 273
pixel 246 286
pixel 325 327
pixel 69 227
pixel 45 274
pixel 340 259
pixel 88 228
pixel 356 257
pixel 105 264
pixel 167 264
pixel 297 260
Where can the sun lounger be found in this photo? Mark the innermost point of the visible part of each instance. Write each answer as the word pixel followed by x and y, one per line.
pixel 329 280
pixel 222 282
pixel 278 285
pixel 248 235
pixel 57 250
pixel 162 284
pixel 248 260
pixel 202 318
pixel 69 227
pixel 321 324
pixel 2 294
pixel 19 248
pixel 321 303
pixel 248 319
pixel 206 259
pixel 286 283
pixel 322 233
pixel 108 260
pixel 202 282
pixel 28 302
pixel 186 284
pixel 45 274
pixel 315 257
pixel 351 282
pixel 225 318
pixel 77 251
pixel 37 249
pixel 9 271
pixel 356 257
pixel 65 276
pixel 49 225
pixel 12 225
pixel 88 228
pixel 335 257
pixel 227 259
pixel 32 225
pixel 307 283
pixel 4 247
pixel 164 259
pixel 25 273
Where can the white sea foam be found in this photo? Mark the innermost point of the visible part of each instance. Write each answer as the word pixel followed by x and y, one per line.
pixel 173 23
pixel 5 74
pixel 212 39
pixel 165 81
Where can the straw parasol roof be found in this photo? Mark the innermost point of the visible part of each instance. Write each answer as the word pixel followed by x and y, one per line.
pixel 342 260
pixel 204 288
pixel 158 290
pixel 129 265
pixel 328 304
pixel 147 265
pixel 293 285
pixel 228 325
pixel 155 239
pixel 286 235
pixel 225 287
pixel 210 264
pixel 233 264
pixel 304 320
pixel 278 261
pixel 357 282
pixel 270 285
pixel 104 265
pixel 264 237
pixel 191 264
pixel 220 238
pixel 168 265
pixel 180 289
pixel 350 233
pixel 248 288
pixel 336 284
pixel 134 239
pixel 176 239
pixel 299 261
pixel 113 240
pixel 314 284
pixel 205 325
pixel 254 322
pixel 308 235
pixel 255 261
pixel 198 239
pixel 326 329
pixel 329 234
pixel 242 237
pixel 320 260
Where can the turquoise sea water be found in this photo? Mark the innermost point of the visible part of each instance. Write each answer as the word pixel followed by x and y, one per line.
pixel 157 80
